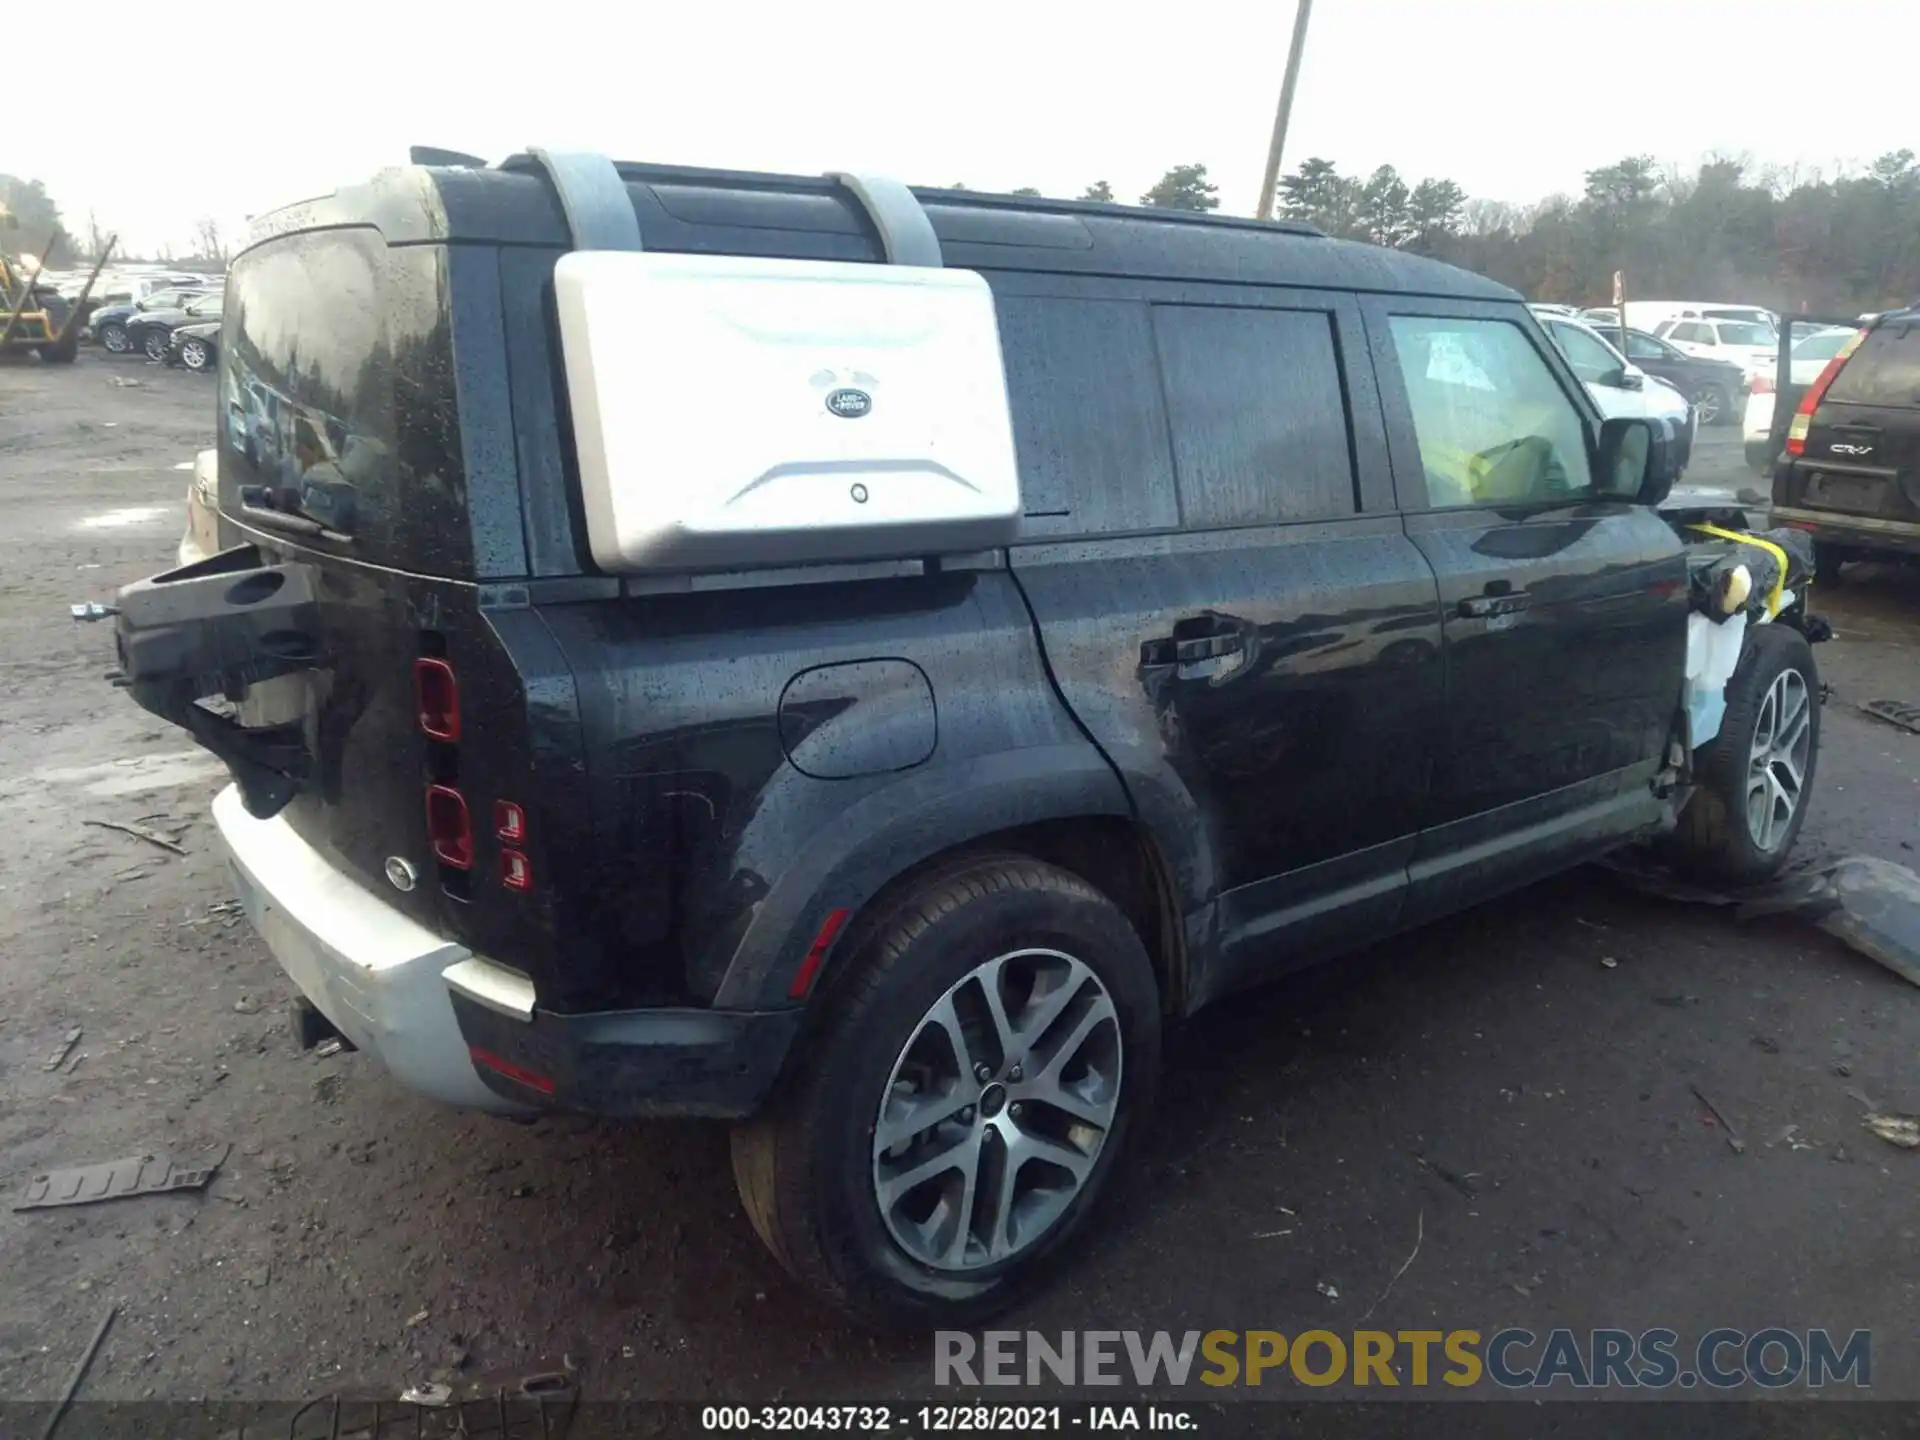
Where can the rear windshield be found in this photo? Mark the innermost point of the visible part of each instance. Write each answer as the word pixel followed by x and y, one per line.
pixel 1885 370
pixel 337 407
pixel 1745 332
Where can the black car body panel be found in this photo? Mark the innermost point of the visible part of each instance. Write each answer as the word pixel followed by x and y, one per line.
pixel 1691 375
pixel 1240 654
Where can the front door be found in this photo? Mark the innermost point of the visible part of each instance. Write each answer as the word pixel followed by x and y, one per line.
pixel 1563 612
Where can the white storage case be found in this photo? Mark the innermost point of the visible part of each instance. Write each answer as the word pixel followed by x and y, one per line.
pixel 736 413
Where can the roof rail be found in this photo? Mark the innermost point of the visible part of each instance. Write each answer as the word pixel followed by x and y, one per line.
pixel 434 155
pixel 906 234
pixel 593 197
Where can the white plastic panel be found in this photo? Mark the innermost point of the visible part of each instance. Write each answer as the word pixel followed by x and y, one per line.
pixel 731 412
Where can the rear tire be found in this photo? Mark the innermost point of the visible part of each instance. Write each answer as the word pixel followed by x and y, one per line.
pixel 155 343
pixel 195 354
pixel 114 339
pixel 1755 778
pixel 1714 404
pixel 966 1239
pixel 62 352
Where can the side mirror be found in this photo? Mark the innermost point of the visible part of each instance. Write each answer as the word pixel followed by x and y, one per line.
pixel 1634 460
pixel 1628 377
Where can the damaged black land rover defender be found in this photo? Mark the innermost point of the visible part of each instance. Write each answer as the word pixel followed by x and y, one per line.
pixel 858 662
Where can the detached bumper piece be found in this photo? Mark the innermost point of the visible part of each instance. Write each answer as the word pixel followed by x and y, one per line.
pixel 630 1064
pixel 208 631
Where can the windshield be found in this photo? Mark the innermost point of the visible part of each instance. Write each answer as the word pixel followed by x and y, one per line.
pixel 1739 332
pixel 1756 317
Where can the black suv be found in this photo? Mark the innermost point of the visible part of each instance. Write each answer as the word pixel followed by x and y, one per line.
pixel 646 695
pixel 1718 388
pixel 1848 446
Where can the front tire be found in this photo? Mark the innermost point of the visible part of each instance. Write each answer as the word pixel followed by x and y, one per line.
pixel 195 354
pixel 155 344
pixel 984 1056
pixel 1755 778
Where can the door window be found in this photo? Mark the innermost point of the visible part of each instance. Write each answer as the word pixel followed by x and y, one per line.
pixel 1493 425
pixel 1644 347
pixel 1692 332
pixel 1592 361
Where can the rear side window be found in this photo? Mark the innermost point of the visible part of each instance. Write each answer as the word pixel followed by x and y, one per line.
pixel 1493 425
pixel 1692 332
pixel 1589 359
pixel 1884 371
pixel 1257 414
pixel 1088 420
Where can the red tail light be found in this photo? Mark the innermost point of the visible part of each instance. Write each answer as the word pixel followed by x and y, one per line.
pixel 1816 392
pixel 436 696
pixel 516 873
pixel 449 827
pixel 509 821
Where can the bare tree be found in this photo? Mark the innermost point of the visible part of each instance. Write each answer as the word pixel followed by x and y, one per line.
pixel 207 244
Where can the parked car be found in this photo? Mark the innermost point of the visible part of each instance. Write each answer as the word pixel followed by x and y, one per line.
pixel 1808 356
pixel 109 323
pixel 151 331
pixel 1850 470
pixel 1746 343
pixel 1544 308
pixel 1619 387
pixel 195 346
pixel 1716 387
pixel 1002 651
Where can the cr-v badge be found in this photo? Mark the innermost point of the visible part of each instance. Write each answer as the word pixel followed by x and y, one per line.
pixel 400 873
pixel 1851 449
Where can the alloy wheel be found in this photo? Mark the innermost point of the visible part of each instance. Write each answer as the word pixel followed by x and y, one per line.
pixel 1777 759
pixel 997 1109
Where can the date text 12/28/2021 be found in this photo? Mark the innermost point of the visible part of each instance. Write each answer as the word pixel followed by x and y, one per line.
pixel 960 1419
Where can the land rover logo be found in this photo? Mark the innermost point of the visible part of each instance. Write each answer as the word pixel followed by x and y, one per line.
pixel 849 404
pixel 400 873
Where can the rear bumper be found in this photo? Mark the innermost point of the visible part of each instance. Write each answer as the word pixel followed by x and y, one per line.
pixel 376 974
pixel 1857 532
pixel 466 1031
pixel 632 1064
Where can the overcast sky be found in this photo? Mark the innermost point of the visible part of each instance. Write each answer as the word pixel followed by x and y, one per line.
pixel 269 101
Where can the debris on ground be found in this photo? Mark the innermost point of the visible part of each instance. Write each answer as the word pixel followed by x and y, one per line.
pixel 1901 1130
pixel 142 832
pixel 1894 712
pixel 1734 1141
pixel 327 1049
pixel 1327 1290
pixel 114 1180
pixel 1609 963
pixel 1871 904
pixel 1419 1235
pixel 432 1394
pixel 79 1373
pixel 59 1057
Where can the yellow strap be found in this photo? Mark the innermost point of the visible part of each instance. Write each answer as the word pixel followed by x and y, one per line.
pixel 1780 583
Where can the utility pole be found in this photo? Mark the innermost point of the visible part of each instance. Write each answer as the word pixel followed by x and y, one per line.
pixel 1302 9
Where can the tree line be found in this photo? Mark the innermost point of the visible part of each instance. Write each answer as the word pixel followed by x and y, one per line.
pixel 1797 241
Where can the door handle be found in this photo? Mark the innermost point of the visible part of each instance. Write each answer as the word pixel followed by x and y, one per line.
pixel 1202 647
pixel 1481 607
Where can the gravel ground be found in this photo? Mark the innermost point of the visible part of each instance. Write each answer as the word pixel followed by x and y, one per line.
pixel 1513 1087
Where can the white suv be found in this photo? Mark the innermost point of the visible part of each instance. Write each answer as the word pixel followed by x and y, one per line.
pixel 1747 343
pixel 1618 386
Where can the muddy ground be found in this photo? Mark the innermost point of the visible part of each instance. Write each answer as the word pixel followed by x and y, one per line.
pixel 1514 1087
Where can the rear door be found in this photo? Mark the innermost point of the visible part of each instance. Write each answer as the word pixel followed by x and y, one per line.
pixel 1862 453
pixel 1564 612
pixel 1226 598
